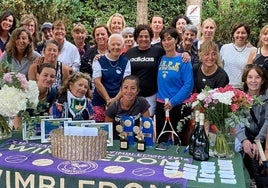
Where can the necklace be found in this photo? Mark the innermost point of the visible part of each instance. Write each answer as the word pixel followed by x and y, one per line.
pixel 239 49
pixel 113 62
pixel 102 51
pixel 209 71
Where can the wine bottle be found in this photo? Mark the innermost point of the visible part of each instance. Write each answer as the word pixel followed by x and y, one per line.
pixel 194 132
pixel 201 144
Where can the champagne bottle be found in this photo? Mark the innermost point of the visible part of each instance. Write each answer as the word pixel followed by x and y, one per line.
pixel 201 144
pixel 194 132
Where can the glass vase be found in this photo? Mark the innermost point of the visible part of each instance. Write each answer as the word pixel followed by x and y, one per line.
pixel 5 130
pixel 224 145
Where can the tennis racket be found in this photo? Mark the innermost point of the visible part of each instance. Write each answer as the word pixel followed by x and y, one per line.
pixel 168 123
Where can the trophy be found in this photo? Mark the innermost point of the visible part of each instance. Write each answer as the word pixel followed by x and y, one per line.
pixel 128 123
pixel 123 137
pixel 141 145
pixel 147 130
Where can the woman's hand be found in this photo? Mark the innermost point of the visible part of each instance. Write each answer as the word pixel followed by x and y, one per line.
pixel 110 101
pixel 167 106
pixel 186 58
pixel 250 149
pixel 59 107
pixel 97 57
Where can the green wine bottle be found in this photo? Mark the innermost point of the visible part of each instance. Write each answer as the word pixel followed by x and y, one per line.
pixel 201 143
pixel 194 132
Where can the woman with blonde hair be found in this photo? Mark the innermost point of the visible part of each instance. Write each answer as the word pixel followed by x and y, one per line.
pixel 209 71
pixel 29 21
pixel 259 56
pixel 79 34
pixel 116 23
pixel 208 29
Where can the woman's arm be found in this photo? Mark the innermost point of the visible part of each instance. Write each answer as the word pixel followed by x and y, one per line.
pixel 32 71
pixel 251 56
pixel 101 90
pixel 108 119
pixel 146 113
pixel 65 73
pixel 33 68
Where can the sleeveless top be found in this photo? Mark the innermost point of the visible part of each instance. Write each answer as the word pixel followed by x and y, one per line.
pixel 261 60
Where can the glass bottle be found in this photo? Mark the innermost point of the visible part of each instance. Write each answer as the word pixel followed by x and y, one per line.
pixel 194 132
pixel 201 144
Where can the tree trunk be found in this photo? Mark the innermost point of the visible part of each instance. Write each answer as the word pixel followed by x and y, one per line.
pixel 142 12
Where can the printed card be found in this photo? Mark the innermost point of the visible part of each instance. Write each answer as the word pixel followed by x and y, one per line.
pixel 103 126
pixel 32 128
pixel 47 125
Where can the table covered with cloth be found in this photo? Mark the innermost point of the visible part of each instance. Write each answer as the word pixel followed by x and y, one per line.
pixel 25 164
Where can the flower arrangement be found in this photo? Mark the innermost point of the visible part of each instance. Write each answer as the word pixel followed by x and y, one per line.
pixel 224 107
pixel 16 95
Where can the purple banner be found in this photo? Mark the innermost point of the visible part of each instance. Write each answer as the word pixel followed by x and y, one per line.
pixel 133 167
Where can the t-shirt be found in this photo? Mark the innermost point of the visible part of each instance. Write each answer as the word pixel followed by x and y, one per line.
pixel 139 107
pixel 112 74
pixel 144 65
pixel 234 61
pixel 218 79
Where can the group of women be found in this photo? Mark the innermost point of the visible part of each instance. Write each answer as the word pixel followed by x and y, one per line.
pixel 133 71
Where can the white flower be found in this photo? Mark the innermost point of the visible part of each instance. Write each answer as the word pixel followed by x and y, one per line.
pixel 195 103
pixel 225 98
pixel 201 96
pixel 12 101
pixel 32 93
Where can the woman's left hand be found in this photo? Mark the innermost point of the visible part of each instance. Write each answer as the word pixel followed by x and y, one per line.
pixel 186 58
pixel 167 106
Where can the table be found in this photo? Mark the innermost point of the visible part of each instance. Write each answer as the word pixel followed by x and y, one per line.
pixel 29 165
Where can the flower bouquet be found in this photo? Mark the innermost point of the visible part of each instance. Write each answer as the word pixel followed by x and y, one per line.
pixel 225 108
pixel 16 95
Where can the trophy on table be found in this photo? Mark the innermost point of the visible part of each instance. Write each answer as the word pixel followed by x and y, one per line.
pixel 128 123
pixel 141 145
pixel 147 130
pixel 123 137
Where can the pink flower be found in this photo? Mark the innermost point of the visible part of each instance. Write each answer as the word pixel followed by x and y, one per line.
pixel 23 80
pixel 191 99
pixel 8 77
pixel 215 101
pixel 234 107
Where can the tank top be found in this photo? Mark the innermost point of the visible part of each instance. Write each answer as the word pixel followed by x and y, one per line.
pixel 261 60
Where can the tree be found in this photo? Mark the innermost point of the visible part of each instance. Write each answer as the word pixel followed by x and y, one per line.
pixel 142 12
pixel 93 12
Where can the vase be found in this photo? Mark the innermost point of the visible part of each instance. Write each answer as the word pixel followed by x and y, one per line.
pixel 5 130
pixel 224 145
